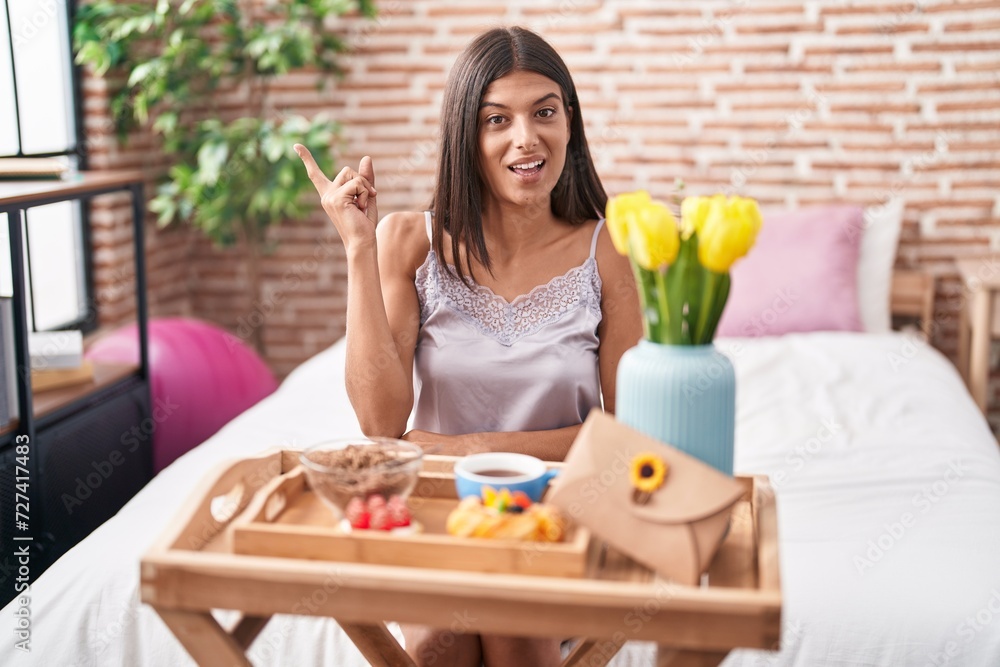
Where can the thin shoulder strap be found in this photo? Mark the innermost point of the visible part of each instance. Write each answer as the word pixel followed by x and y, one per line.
pixel 593 241
pixel 430 226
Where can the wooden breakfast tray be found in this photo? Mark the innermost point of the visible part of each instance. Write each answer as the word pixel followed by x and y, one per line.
pixel 193 569
pixel 287 519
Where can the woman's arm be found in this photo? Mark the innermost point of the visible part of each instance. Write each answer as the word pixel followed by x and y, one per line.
pixel 549 445
pixel 621 318
pixel 383 319
pixel 382 307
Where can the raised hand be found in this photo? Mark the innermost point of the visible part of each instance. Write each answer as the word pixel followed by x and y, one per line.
pixel 349 199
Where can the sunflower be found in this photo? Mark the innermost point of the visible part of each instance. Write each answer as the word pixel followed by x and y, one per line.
pixel 647 472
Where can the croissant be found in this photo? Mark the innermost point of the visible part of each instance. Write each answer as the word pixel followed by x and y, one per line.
pixel 539 523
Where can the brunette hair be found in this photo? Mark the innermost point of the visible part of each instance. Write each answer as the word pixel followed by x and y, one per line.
pixel 578 195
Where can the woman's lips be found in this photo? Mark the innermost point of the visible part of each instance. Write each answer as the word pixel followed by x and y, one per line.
pixel 531 174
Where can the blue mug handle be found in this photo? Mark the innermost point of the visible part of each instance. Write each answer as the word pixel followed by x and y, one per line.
pixel 544 483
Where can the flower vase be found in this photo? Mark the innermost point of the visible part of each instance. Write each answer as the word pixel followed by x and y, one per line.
pixel 682 395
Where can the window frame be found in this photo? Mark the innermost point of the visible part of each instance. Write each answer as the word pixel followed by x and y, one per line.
pixel 87 320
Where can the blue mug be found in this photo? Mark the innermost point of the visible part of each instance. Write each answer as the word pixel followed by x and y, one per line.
pixel 502 470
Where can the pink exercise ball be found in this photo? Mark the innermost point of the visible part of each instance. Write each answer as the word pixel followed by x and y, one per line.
pixel 200 378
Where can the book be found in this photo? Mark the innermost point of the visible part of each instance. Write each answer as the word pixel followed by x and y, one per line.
pixel 62 377
pixel 55 349
pixel 31 168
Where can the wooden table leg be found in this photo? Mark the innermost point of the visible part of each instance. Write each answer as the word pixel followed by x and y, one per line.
pixel 377 644
pixel 587 651
pixel 669 657
pixel 246 629
pixel 204 639
pixel 963 343
pixel 979 366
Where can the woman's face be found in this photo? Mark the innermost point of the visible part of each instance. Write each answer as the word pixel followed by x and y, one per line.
pixel 523 133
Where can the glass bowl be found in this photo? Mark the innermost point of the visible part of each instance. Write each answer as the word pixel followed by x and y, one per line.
pixel 341 470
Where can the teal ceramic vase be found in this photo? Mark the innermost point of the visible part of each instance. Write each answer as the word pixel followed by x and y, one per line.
pixel 683 395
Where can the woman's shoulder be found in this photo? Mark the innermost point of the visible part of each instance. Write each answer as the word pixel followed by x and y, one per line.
pixel 598 240
pixel 612 267
pixel 403 224
pixel 402 235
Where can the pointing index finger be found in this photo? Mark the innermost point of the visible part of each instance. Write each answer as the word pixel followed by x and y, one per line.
pixel 315 174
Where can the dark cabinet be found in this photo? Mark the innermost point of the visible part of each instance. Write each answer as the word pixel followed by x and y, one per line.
pixel 67 463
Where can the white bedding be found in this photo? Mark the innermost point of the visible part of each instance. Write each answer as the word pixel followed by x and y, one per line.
pixel 888 483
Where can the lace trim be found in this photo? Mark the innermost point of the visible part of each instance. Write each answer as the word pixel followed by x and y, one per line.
pixel 492 315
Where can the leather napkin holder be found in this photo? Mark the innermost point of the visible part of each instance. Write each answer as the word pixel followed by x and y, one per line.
pixel 677 531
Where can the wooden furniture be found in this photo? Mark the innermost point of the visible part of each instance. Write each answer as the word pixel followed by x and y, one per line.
pixel 81 436
pixel 978 323
pixel 288 519
pixel 192 569
pixel 912 295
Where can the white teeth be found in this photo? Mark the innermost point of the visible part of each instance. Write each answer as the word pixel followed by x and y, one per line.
pixel 527 165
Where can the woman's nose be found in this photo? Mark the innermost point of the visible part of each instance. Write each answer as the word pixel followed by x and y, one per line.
pixel 525 135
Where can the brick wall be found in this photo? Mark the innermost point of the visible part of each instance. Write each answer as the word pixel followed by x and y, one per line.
pixel 168 251
pixel 790 102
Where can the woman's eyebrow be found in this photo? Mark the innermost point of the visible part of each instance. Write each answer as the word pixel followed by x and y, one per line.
pixel 504 106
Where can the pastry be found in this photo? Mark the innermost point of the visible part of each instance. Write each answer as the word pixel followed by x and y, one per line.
pixel 537 523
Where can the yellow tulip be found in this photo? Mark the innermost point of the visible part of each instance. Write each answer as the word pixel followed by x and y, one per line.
pixel 694 210
pixel 727 232
pixel 653 237
pixel 644 228
pixel 620 211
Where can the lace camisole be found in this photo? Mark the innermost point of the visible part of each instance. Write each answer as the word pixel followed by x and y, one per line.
pixel 485 365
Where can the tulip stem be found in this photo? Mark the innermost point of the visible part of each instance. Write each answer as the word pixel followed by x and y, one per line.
pixel 709 288
pixel 661 299
pixel 713 300
pixel 718 305
pixel 641 288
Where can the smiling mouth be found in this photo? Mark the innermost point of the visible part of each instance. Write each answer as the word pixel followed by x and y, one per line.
pixel 527 168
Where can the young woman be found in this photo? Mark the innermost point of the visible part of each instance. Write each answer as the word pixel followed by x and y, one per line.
pixel 507 298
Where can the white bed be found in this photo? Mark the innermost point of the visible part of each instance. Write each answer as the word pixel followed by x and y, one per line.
pixel 870 440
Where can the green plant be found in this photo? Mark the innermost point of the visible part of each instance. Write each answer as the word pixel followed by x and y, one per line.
pixel 234 172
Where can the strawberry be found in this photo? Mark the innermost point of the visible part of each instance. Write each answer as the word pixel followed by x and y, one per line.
pixel 355 505
pixel 380 519
pixel 522 500
pixel 399 515
pixel 375 500
pixel 356 513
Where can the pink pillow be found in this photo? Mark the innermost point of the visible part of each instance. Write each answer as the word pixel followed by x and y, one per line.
pixel 800 276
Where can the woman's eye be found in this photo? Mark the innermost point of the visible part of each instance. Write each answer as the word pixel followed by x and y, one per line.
pixel 494 120
pixel 547 113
